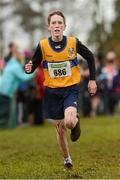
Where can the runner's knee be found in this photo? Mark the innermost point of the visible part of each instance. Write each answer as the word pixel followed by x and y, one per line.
pixel 69 122
pixel 70 117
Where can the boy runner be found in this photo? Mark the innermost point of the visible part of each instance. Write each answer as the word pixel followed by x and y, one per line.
pixel 58 55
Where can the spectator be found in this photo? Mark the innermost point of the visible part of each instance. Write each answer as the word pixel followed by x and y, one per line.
pixel 13 74
pixel 22 108
pixel 13 47
pixel 39 79
pixel 35 96
pixel 109 71
pixel 115 92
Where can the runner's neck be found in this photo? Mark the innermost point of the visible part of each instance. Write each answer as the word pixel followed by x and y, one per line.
pixel 57 39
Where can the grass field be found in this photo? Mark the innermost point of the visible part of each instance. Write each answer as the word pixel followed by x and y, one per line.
pixel 33 152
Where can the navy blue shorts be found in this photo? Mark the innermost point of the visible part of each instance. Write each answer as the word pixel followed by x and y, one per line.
pixel 58 99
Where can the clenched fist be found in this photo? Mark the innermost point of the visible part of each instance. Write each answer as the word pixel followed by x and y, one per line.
pixel 28 67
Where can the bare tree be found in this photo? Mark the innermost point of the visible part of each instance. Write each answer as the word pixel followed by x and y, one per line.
pixel 32 15
pixel 3 18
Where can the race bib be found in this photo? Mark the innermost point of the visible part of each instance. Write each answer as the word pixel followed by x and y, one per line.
pixel 61 69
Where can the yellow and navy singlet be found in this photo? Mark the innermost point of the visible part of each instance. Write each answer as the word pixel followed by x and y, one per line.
pixel 61 68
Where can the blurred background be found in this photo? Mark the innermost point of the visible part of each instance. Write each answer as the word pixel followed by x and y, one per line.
pixel 23 23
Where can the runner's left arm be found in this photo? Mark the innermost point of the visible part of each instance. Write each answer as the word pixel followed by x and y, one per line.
pixel 87 55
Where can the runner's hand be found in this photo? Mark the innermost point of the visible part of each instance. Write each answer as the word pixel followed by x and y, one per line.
pixel 92 87
pixel 28 67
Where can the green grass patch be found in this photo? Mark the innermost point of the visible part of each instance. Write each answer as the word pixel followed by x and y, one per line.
pixel 32 152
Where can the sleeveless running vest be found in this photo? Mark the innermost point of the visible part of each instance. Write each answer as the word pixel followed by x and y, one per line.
pixel 61 69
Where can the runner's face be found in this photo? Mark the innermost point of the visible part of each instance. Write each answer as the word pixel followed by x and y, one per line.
pixel 56 26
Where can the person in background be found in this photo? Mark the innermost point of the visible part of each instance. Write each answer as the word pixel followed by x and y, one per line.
pixel 39 79
pixel 116 90
pixel 35 95
pixel 95 100
pixel 85 96
pixel 58 55
pixel 13 47
pixel 2 64
pixel 108 72
pixel 22 98
pixel 13 74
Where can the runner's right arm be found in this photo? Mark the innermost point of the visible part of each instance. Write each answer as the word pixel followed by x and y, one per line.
pixel 35 62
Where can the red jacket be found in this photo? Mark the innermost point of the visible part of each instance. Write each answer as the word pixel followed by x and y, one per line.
pixel 39 79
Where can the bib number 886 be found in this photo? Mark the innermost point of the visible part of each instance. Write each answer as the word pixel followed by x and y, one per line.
pixel 59 72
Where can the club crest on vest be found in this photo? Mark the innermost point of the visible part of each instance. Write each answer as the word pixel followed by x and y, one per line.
pixel 71 53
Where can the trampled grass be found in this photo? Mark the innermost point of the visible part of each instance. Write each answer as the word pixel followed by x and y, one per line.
pixel 32 152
